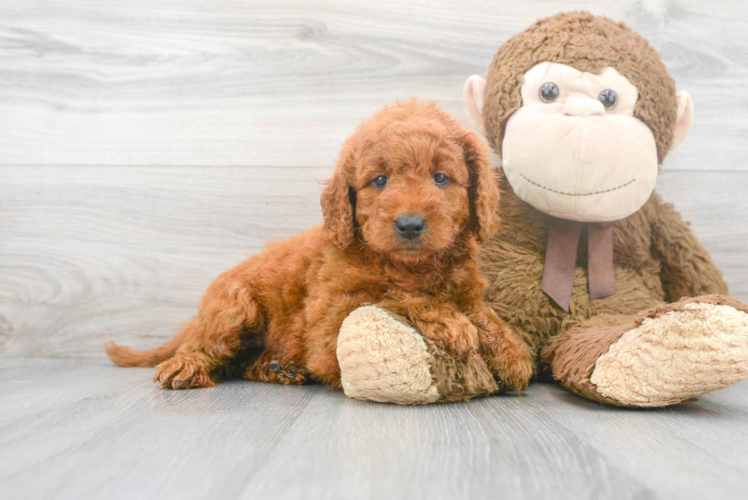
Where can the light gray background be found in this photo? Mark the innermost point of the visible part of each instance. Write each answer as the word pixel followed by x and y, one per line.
pixel 146 146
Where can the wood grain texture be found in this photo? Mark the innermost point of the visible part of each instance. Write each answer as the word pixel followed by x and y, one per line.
pixel 97 253
pixel 124 253
pixel 85 429
pixel 252 83
pixel 145 147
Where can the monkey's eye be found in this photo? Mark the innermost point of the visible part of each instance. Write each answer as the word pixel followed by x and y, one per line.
pixel 549 92
pixel 608 98
pixel 441 179
pixel 380 181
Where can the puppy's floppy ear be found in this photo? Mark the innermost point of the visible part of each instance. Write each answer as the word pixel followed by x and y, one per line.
pixel 339 201
pixel 484 189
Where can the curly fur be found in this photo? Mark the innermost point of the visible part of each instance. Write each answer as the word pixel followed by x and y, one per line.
pixel 276 316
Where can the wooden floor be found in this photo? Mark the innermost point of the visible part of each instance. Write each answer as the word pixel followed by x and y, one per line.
pixel 146 146
pixel 85 429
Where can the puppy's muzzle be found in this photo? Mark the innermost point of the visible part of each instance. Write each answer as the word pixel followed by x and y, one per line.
pixel 410 226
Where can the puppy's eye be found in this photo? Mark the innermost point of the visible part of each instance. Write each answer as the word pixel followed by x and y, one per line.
pixel 441 179
pixel 608 98
pixel 380 181
pixel 549 92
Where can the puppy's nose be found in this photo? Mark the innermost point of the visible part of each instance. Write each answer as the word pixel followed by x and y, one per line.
pixel 410 226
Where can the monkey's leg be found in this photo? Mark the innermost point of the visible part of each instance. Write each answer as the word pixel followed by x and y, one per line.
pixel 666 355
pixel 383 358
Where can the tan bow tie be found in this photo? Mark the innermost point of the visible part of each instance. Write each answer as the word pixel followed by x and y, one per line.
pixel 561 259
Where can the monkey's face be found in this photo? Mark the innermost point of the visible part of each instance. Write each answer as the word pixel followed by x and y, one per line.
pixel 574 149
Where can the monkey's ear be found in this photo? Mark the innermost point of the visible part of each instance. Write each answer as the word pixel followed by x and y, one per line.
pixel 474 94
pixel 338 203
pixel 685 118
pixel 483 190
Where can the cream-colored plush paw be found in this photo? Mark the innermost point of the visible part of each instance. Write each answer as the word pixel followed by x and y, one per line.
pixel 383 359
pixel 676 356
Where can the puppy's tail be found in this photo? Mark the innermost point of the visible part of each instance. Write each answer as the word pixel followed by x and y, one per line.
pixel 124 356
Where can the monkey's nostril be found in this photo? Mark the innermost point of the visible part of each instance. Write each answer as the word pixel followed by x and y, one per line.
pixel 410 226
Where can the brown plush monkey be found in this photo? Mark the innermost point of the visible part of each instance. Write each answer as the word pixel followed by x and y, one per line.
pixel 605 282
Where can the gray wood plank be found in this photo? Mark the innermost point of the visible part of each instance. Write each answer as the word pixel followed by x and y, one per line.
pixel 110 433
pixel 248 440
pixel 131 441
pixel 283 83
pixel 706 438
pixel 716 206
pixel 92 253
pixel 125 253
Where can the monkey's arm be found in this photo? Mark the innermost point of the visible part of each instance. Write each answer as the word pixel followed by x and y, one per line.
pixel 687 267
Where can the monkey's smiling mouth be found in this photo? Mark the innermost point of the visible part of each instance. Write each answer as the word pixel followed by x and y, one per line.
pixel 577 194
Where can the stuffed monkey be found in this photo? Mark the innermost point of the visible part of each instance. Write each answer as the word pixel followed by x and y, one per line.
pixel 606 284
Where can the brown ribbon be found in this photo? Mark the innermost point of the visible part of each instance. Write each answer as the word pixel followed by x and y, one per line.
pixel 561 259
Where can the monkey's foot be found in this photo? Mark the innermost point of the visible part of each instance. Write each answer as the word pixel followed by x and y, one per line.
pixel 677 352
pixel 384 359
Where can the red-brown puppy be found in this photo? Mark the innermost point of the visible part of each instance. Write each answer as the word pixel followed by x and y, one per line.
pixel 411 197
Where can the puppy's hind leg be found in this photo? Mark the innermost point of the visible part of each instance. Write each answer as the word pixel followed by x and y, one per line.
pixel 227 311
pixel 272 369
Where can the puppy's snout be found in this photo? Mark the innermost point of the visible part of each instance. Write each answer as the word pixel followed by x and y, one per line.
pixel 410 226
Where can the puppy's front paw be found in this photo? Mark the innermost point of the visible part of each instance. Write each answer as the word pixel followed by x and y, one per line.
pixel 503 351
pixel 509 362
pixel 513 367
pixel 464 339
pixel 182 372
pixel 454 334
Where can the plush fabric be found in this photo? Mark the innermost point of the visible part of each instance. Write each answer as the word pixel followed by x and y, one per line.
pixel 656 258
pixel 603 348
pixel 614 179
pixel 588 43
pixel 384 359
pixel 691 349
pixel 572 356
pixel 574 159
pixel 575 84
pixel 668 354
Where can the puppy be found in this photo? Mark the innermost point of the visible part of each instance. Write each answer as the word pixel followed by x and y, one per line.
pixel 411 197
